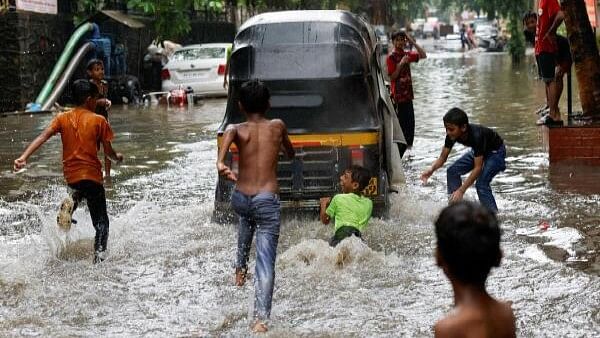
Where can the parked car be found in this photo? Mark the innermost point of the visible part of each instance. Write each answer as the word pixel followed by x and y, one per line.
pixel 485 33
pixel 199 67
pixel 451 43
pixel 417 27
pixel 335 109
pixel 430 28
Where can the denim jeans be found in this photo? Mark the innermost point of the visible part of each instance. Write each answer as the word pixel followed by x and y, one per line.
pixel 95 197
pixel 261 214
pixel 492 165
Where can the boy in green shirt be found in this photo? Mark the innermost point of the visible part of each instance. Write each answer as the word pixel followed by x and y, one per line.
pixel 350 210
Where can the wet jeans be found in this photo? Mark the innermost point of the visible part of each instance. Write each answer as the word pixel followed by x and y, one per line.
pixel 261 214
pixel 95 197
pixel 492 165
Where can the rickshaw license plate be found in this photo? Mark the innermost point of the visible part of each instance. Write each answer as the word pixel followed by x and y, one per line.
pixel 371 189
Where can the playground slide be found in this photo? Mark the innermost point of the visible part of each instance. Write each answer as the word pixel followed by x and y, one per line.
pixel 66 75
pixel 60 65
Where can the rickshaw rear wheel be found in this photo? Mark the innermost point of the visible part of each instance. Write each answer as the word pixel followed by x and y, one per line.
pixel 383 210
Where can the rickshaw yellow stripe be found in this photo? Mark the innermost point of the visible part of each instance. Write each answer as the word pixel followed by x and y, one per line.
pixel 334 139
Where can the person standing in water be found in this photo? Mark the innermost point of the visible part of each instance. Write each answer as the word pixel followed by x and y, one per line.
pixel 95 72
pixel 255 198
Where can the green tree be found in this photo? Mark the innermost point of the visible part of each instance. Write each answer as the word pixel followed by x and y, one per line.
pixel 171 17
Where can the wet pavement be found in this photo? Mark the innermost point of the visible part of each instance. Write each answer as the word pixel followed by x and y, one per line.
pixel 169 271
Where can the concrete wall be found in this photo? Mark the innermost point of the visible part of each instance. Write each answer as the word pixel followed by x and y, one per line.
pixel 30 45
pixel 573 144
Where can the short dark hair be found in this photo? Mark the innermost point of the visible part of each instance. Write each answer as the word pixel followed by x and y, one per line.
pixel 529 15
pixel 456 116
pixel 254 96
pixel 360 175
pixel 398 34
pixel 94 62
pixel 468 240
pixel 82 89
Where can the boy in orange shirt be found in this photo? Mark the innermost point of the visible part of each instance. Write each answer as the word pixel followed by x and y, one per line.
pixel 81 130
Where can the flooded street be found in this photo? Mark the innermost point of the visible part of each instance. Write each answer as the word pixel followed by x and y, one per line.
pixel 170 270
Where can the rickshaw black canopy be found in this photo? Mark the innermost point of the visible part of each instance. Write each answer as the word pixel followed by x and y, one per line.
pixel 316 65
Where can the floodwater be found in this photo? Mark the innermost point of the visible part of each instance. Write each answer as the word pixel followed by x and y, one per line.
pixel 169 271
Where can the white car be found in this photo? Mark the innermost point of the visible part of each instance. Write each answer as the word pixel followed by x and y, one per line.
pixel 452 43
pixel 200 67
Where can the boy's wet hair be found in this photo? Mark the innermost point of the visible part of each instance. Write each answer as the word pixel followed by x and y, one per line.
pixel 529 15
pixel 254 96
pixel 398 34
pixel 82 89
pixel 360 175
pixel 457 117
pixel 90 65
pixel 468 240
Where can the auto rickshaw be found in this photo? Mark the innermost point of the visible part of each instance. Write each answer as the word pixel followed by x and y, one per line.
pixel 324 74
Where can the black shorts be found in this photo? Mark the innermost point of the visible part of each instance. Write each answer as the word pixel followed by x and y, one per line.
pixel 342 233
pixel 546 66
pixel 95 196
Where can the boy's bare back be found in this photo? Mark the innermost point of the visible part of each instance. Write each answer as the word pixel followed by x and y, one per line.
pixel 479 319
pixel 259 141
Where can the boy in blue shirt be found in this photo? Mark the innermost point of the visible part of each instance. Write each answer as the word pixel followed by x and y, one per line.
pixel 350 210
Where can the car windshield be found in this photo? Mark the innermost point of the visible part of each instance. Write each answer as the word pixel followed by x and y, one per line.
pixel 199 53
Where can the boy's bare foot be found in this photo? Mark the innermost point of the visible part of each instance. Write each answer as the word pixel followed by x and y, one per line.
pixel 259 327
pixel 240 276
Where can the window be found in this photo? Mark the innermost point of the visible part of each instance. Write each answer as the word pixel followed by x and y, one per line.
pixel 199 53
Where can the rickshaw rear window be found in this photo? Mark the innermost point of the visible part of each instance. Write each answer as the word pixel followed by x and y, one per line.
pixel 303 50
pixel 299 33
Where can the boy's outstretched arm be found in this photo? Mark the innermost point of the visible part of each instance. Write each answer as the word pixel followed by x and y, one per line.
pixel 228 138
pixel 110 152
pixel 324 202
pixel 436 165
pixel 477 168
pixel 32 147
pixel 287 143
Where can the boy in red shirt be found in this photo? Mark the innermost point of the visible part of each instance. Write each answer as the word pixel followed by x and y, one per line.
pixel 546 51
pixel 80 131
pixel 398 65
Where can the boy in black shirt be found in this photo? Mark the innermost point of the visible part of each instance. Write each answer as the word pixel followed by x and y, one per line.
pixel 484 160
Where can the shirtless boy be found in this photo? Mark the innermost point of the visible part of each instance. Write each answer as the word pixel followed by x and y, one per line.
pixel 255 198
pixel 468 246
